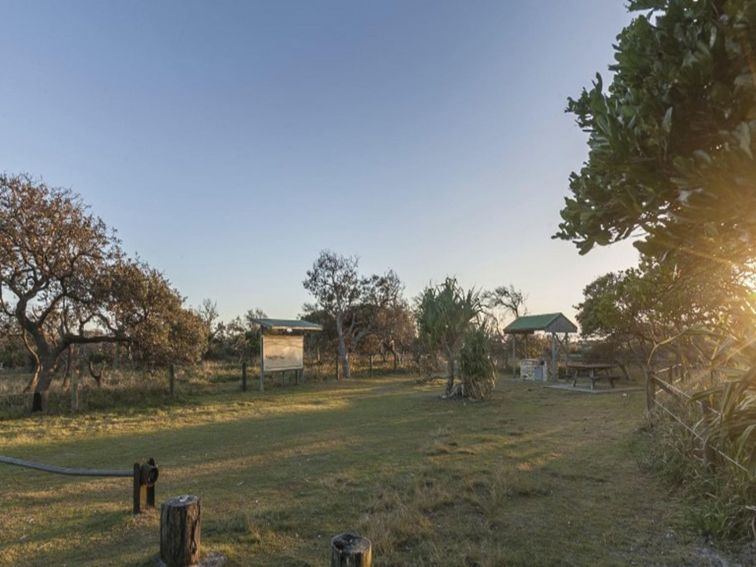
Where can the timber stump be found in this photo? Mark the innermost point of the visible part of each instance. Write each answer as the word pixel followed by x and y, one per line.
pixel 180 531
pixel 350 550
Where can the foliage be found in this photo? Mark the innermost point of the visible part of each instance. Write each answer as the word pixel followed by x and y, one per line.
pixel 732 424
pixel 358 304
pixel 208 313
pixel 476 368
pixel 672 138
pixel 655 305
pixel 445 313
pixel 720 496
pixel 508 298
pixel 64 280
pixel 502 304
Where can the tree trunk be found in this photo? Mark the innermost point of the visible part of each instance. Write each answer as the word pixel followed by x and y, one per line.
pixel 69 361
pixel 343 353
pixel 46 372
pixel 32 384
pixel 345 365
pixel 35 379
pixel 180 531
pixel 450 379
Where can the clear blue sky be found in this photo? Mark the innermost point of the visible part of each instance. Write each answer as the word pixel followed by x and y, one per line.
pixel 229 142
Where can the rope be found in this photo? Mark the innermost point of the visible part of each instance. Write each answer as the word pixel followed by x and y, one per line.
pixel 64 470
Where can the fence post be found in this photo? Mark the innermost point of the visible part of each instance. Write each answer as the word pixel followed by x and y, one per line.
pixel 262 365
pixel 172 379
pixel 350 550
pixel 244 376
pixel 180 531
pixel 650 391
pixel 708 450
pixel 75 375
pixel 140 489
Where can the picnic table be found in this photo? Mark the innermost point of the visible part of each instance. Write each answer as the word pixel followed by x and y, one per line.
pixel 594 371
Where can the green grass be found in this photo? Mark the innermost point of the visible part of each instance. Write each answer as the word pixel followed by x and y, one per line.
pixel 531 477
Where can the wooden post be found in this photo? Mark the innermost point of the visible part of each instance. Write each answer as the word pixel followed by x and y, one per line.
pixel 172 379
pixel 296 377
pixel 244 376
pixel 514 354
pixel 262 363
pixel 75 388
pixel 370 369
pixel 708 450
pixel 350 550
pixel 180 531
pixel 650 392
pixel 554 359
pixel 151 474
pixel 144 478
pixel 140 489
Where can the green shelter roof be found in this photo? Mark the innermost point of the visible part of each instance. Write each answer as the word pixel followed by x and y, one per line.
pixel 549 322
pixel 287 325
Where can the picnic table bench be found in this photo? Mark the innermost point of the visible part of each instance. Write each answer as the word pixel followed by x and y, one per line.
pixel 594 371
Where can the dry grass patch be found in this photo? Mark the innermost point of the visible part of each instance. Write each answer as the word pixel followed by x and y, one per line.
pixel 508 481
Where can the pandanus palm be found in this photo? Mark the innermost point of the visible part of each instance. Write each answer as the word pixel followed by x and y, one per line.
pixel 444 314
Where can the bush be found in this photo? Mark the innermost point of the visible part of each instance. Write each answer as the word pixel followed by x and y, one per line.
pixel 477 369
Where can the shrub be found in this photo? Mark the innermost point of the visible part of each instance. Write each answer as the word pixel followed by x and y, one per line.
pixel 477 369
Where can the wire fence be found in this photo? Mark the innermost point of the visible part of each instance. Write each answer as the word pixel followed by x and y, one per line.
pixel 139 387
pixel 664 394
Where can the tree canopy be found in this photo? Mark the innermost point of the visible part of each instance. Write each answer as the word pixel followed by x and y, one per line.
pixel 64 280
pixel 671 139
pixel 358 304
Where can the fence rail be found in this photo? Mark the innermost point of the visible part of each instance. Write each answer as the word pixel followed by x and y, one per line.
pixel 144 477
pixel 652 402
pixel 65 470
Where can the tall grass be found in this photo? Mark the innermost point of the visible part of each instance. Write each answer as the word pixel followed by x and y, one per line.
pixel 711 455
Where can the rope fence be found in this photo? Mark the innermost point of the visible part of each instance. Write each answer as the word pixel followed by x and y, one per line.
pixel 144 476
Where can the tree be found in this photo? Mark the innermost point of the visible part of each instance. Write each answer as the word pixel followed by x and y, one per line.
pixel 671 141
pixel 208 313
pixel 475 364
pixel 355 302
pixel 509 298
pixel 65 281
pixel 445 313
pixel 642 309
pixel 511 301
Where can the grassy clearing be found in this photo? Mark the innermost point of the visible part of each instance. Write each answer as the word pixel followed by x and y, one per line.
pixel 531 477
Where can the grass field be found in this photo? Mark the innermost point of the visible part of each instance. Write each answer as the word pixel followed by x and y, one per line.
pixel 531 477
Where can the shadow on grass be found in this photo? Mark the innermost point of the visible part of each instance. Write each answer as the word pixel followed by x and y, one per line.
pixel 434 482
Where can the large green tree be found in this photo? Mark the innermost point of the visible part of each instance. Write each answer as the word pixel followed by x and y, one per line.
pixel 65 281
pixel 672 139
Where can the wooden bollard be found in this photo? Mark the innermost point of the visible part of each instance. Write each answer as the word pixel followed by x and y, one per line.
pixel 144 479
pixel 350 550
pixel 172 379
pixel 180 531
pixel 244 376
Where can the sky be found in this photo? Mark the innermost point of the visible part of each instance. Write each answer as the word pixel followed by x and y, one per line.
pixel 229 142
